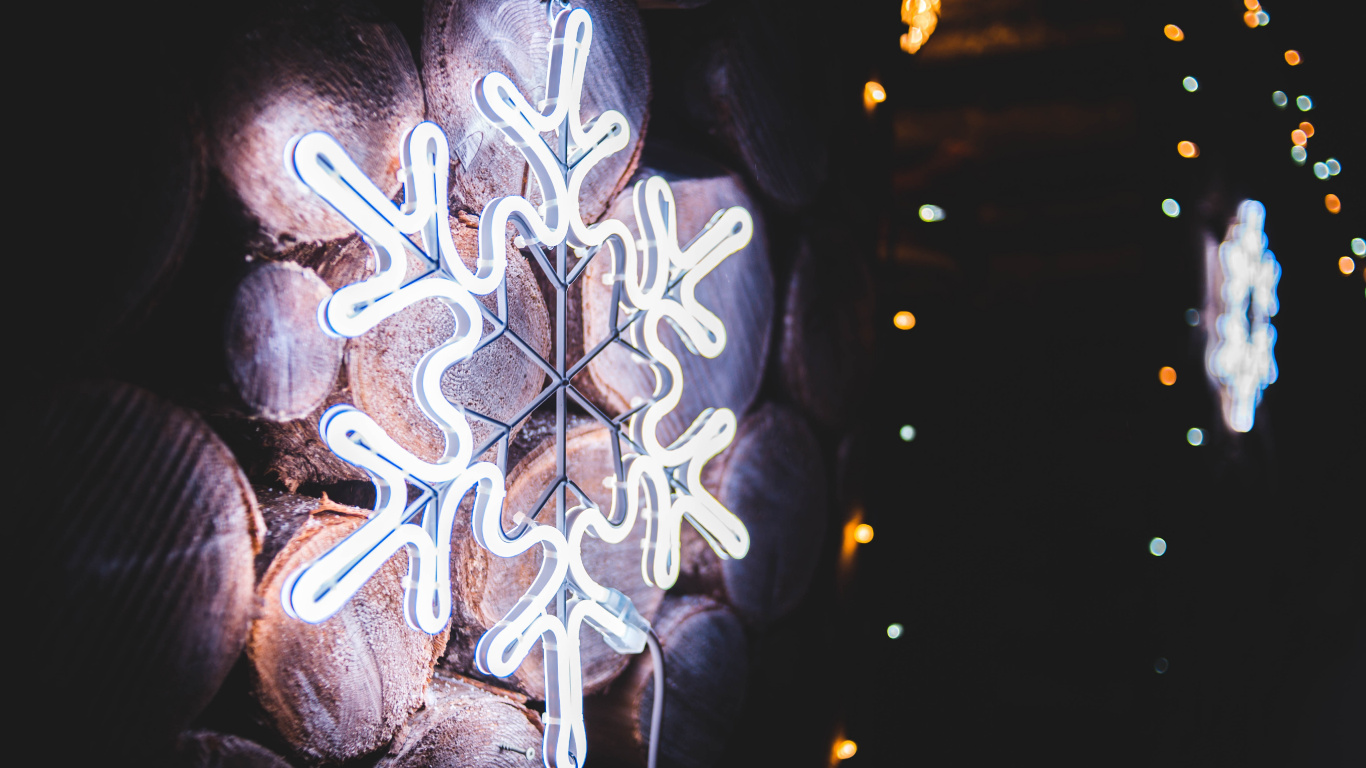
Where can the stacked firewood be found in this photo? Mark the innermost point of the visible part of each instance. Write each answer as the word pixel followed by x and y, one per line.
pixel 185 479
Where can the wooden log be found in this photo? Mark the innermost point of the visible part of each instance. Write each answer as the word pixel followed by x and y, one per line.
pixel 497 381
pixel 466 726
pixel 299 67
pixel 144 528
pixel 706 667
pixel 281 362
pixel 739 76
pixel 463 40
pixel 739 291
pixel 342 688
pixel 773 478
pixel 486 587
pixel 206 749
pixel 827 331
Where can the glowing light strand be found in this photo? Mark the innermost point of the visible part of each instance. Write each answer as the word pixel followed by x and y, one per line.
pixel 1240 357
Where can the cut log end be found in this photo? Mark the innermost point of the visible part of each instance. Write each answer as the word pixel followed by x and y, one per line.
pixel 281 362
pixel 342 688
pixel 466 726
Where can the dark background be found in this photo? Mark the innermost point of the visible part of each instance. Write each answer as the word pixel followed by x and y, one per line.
pixel 1012 533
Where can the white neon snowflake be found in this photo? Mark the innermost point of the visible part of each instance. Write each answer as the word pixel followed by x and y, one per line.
pixel 1241 356
pixel 654 280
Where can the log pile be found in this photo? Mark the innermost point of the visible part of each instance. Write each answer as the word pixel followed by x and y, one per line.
pixel 178 507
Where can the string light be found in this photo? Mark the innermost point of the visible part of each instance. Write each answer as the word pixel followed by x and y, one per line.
pixel 1298 154
pixel 923 17
pixel 873 95
pixel 1171 207
pixel 907 433
pixel 1321 170
pixel 1190 84
pixel 863 533
pixel 846 749
pixel 1308 129
pixel 1167 375
pixel 904 320
pixel 1334 167
pixel 1346 265
pixel 895 630
pixel 1359 246
pixel 1298 138
pixel 1158 546
pixel 1332 203
pixel 929 213
pixel 1187 149
pixel 1173 33
pixel 1195 436
pixel 1304 103
pixel 1279 98
pixel 1292 58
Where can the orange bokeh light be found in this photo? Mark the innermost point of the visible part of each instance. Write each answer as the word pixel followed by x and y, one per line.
pixel 904 320
pixel 1167 375
pixel 1346 265
pixel 1332 203
pixel 846 749
pixel 1252 5
pixel 863 533
pixel 1292 58
pixel 1298 137
pixel 1250 19
pixel 1308 129
pixel 1187 149
pixel 1173 32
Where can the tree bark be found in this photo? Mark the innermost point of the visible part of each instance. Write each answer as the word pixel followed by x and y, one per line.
pixel 464 40
pixel 301 67
pixel 739 291
pixel 466 726
pixel 487 587
pixel 773 478
pixel 706 667
pixel 342 688
pixel 145 530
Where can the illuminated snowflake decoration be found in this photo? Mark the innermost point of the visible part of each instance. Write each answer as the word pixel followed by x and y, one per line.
pixel 1241 357
pixel 654 280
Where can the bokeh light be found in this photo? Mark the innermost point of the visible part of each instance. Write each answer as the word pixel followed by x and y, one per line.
pixel 1359 246
pixel 895 630
pixel 1292 58
pixel 1167 375
pixel 1173 32
pixel 1190 84
pixel 1334 167
pixel 907 433
pixel 1250 19
pixel 846 749
pixel 1187 149
pixel 1171 207
pixel 1195 436
pixel 875 92
pixel 1161 666
pixel 1308 129
pixel 1279 98
pixel 1158 546
pixel 1321 170
pixel 1332 203
pixel 864 533
pixel 1346 265
pixel 1304 103
pixel 904 320
pixel 931 213
pixel 1263 18
pixel 1298 138
pixel 1298 154
pixel 1192 317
